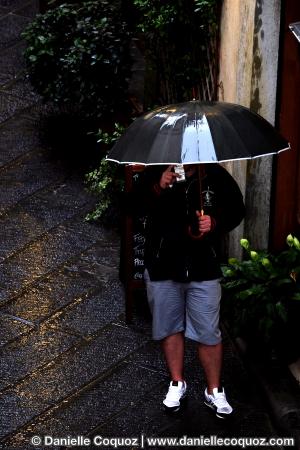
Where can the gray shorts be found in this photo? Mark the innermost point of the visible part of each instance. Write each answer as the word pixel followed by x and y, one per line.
pixel 192 307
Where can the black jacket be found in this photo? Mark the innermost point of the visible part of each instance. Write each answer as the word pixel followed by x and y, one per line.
pixel 170 250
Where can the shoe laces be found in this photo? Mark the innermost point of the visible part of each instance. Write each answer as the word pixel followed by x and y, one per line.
pixel 219 399
pixel 175 392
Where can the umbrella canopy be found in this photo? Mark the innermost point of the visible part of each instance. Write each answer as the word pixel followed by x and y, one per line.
pixel 197 132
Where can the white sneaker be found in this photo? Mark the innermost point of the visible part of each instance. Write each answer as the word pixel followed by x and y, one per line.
pixel 176 393
pixel 217 402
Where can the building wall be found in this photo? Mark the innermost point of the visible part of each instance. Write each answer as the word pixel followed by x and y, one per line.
pixel 248 76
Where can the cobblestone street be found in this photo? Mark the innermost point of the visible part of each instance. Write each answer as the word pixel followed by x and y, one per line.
pixel 69 363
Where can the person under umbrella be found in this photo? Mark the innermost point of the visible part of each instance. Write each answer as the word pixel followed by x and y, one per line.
pixel 186 221
pixel 183 269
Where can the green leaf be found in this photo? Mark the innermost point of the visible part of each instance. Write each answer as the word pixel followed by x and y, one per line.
pixel 234 284
pixel 281 310
pixel 245 244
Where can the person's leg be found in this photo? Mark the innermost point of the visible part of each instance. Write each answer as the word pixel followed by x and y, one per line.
pixel 203 307
pixel 173 349
pixel 210 357
pixel 166 301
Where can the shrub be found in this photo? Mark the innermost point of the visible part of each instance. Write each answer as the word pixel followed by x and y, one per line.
pixel 261 292
pixel 106 181
pixel 78 54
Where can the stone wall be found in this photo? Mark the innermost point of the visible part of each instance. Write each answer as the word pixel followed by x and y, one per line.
pixel 248 76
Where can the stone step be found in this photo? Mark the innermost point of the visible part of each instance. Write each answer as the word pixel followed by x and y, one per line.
pixel 11 5
pixel 28 8
pixel 47 254
pixel 45 209
pixel 3 11
pixel 19 135
pixel 108 306
pixel 32 351
pixel 93 404
pixel 16 98
pixel 64 376
pixel 90 313
pixel 127 401
pixel 146 417
pixel 12 63
pixel 90 280
pixel 93 270
pixel 11 27
pixel 32 171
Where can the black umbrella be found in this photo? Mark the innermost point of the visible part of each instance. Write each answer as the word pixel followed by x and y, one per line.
pixel 197 132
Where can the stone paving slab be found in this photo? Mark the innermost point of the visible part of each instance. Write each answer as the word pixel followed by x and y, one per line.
pixel 11 104
pixel 67 284
pixel 134 405
pixel 3 11
pixel 12 62
pixel 93 311
pixel 147 417
pixel 90 314
pixel 18 136
pixel 11 27
pixel 21 89
pixel 42 257
pixel 63 376
pixel 83 412
pixel 33 115
pixel 12 4
pixel 10 329
pixel 30 9
pixel 31 172
pixel 38 112
pixel 40 212
pixel 26 354
pixel 234 376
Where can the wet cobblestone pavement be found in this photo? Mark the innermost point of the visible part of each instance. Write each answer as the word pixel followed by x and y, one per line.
pixel 69 363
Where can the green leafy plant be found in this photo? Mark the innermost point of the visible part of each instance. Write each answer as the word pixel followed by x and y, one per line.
pixel 260 291
pixel 207 9
pixel 159 15
pixel 107 180
pixel 110 138
pixel 178 40
pixel 78 54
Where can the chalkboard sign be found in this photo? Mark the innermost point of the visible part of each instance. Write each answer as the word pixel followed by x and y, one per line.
pixel 133 243
pixel 138 247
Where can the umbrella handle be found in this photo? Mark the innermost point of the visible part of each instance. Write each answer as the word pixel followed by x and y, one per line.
pixel 200 190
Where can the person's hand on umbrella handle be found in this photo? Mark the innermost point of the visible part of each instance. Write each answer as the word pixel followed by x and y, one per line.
pixel 205 225
pixel 168 177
